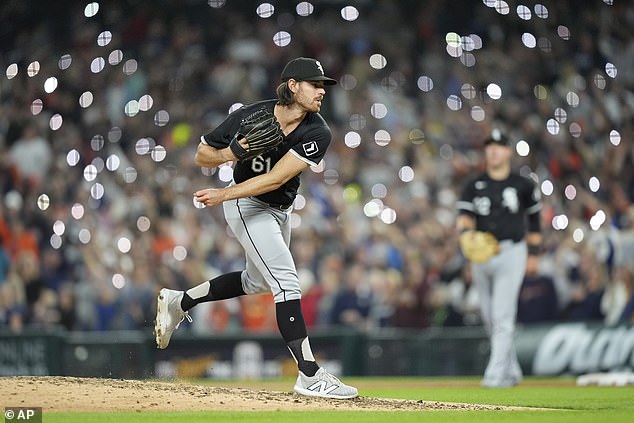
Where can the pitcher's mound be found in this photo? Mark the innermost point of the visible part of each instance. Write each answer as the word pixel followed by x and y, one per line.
pixel 54 393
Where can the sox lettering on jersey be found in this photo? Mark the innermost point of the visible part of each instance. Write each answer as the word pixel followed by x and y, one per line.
pixel 482 205
pixel 510 199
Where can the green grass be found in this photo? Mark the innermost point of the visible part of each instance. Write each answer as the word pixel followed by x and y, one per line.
pixel 559 400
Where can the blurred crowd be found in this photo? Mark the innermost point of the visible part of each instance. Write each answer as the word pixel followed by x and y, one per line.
pixel 374 246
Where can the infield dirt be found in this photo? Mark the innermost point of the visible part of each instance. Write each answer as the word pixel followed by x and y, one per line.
pixel 67 394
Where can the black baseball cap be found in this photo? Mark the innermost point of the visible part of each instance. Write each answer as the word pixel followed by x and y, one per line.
pixel 306 69
pixel 497 137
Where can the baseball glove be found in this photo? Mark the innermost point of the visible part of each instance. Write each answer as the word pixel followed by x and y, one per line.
pixel 478 246
pixel 262 132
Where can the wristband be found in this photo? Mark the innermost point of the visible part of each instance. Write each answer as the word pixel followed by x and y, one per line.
pixel 533 250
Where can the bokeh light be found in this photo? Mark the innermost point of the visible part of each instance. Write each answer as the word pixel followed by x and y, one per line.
pixel 494 91
pixel 350 13
pixel 124 244
pixel 118 281
pixel 37 106
pixel 524 12
pixel 282 38
pixel 388 215
pixel 84 236
pixel 425 83
pixel 158 153
pixel 115 57
pixel 304 8
pixel 594 184
pixel 179 253
pixel 50 84
pixel 378 110
pixel 33 69
pixel 265 10
pixel 541 11
pixel 378 61
pixel 454 102
pixel 522 148
pixel 406 174
pixel 373 208
pixel 130 66
pixel 12 71
pixel 547 188
pixel 59 227
pixel 478 114
pixel 382 138
pixel 529 40
pixel 77 211
pixel 97 191
pixel 615 137
pixel 86 99
pixel 104 38
pixel 570 192
pixel 64 61
pixel 43 201
pixel 91 9
pixel 352 139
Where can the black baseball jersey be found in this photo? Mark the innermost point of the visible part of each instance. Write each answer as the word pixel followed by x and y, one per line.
pixel 502 207
pixel 309 142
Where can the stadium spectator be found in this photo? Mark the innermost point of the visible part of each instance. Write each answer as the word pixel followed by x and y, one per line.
pixel 32 155
pixel 537 301
pixel 585 304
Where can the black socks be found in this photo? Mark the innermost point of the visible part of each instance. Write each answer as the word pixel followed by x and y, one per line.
pixel 223 287
pixel 290 319
pixel 290 322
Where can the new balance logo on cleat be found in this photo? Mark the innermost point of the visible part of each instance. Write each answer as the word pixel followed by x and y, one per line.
pixel 325 385
pixel 321 387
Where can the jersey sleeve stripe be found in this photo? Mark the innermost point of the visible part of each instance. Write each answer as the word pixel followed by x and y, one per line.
pixel 302 158
pixel 464 205
pixel 534 209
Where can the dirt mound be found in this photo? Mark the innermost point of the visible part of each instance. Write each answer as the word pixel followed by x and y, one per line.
pixel 54 393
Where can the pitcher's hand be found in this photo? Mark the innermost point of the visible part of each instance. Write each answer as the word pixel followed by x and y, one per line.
pixel 209 197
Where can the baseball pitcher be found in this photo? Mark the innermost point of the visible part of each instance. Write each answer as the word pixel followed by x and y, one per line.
pixel 272 143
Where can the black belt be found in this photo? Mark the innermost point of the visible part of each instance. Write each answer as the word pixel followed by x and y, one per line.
pixel 276 206
pixel 282 207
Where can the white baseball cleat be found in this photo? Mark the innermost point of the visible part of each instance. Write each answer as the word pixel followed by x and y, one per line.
pixel 169 316
pixel 325 385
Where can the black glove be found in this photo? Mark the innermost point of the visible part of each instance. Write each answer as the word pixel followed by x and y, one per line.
pixel 262 132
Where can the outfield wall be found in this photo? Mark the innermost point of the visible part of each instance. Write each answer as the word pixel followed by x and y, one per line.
pixel 543 350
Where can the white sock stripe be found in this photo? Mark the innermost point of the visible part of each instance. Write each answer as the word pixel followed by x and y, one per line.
pixel 307 353
pixel 199 291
